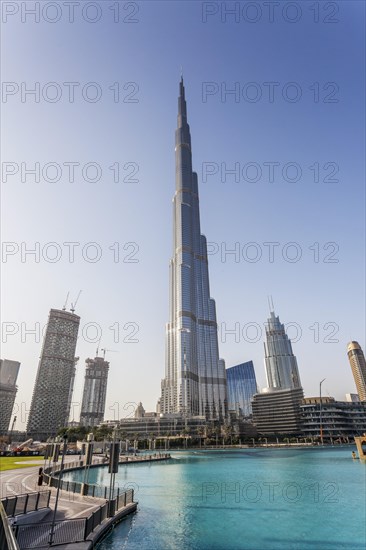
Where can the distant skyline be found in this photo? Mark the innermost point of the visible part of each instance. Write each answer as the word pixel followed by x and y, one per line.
pixel 315 140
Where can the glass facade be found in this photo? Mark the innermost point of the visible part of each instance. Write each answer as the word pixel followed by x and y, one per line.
pixel 358 366
pixel 8 389
pixel 94 393
pixel 241 386
pixel 281 364
pixel 195 380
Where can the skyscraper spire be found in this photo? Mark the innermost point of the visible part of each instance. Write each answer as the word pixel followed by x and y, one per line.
pixel 195 380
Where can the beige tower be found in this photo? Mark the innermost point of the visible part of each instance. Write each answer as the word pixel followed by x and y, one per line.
pixel 358 366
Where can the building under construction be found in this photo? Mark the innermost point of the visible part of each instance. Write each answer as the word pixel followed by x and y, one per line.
pixel 53 387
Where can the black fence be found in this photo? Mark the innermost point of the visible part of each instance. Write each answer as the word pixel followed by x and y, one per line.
pixel 70 530
pixel 22 504
pixel 95 519
pixel 37 535
pixel 124 498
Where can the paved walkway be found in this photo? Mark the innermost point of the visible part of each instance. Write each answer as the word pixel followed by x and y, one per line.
pixel 70 505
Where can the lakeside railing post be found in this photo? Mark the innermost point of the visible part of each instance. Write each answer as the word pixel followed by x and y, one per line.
pixel 320 412
pixel 58 491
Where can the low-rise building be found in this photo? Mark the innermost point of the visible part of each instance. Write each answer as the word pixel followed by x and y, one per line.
pixel 336 419
pixel 277 411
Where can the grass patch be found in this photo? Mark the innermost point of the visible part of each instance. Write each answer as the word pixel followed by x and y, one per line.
pixel 9 462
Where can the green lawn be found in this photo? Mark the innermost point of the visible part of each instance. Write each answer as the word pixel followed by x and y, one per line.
pixel 9 462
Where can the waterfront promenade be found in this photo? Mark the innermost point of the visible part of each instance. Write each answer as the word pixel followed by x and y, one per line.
pixel 71 505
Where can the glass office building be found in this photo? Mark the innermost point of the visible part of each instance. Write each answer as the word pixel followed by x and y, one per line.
pixel 241 386
pixel 8 390
pixel 358 366
pixel 195 380
pixel 95 391
pixel 281 364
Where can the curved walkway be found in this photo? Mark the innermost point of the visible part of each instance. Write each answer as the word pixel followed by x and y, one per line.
pixel 70 505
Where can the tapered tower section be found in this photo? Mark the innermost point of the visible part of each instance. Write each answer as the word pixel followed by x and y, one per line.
pixel 195 380
pixel 281 364
pixel 358 366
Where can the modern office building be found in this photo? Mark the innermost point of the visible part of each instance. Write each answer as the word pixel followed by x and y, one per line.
pixel 358 366
pixel 241 386
pixel 352 398
pixel 277 412
pixel 338 419
pixel 8 389
pixel 51 398
pixel 195 380
pixel 95 391
pixel 281 364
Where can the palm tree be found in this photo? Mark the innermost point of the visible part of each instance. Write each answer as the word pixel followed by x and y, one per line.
pixel 201 433
pixel 227 432
pixel 217 432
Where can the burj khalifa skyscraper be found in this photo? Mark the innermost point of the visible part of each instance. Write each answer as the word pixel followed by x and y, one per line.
pixel 195 379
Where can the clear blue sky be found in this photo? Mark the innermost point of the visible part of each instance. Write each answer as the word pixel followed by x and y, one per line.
pixel 324 59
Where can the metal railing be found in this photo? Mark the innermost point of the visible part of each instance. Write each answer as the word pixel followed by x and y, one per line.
pixel 36 535
pixel 95 519
pixel 66 531
pixel 29 502
pixel 124 499
pixel 7 538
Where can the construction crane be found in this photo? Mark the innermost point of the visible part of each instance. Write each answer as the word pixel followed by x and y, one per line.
pixel 12 430
pixel 105 349
pixel 65 304
pixel 73 305
pixel 99 345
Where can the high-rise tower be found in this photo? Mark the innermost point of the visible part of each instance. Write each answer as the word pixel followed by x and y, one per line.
pixel 8 390
pixel 95 390
pixel 241 386
pixel 51 399
pixel 281 363
pixel 358 366
pixel 195 380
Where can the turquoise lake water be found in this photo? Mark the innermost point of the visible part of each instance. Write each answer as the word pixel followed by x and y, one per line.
pixel 249 499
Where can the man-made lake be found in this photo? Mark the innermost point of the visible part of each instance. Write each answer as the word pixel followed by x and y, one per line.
pixel 249 499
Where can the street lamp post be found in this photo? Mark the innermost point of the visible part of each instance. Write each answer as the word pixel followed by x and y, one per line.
pixel 320 411
pixel 52 532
